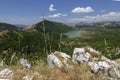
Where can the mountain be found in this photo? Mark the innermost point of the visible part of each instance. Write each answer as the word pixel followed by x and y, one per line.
pixel 51 26
pixel 100 25
pixel 6 26
pixel 21 25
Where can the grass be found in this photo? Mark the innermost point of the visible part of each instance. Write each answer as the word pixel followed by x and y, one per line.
pixel 41 71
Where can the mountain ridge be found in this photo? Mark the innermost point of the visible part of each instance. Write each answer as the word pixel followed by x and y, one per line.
pixel 7 26
pixel 51 26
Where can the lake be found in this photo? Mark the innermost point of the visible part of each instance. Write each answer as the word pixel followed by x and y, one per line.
pixel 75 33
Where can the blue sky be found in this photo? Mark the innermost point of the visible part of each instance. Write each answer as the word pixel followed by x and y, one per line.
pixel 66 11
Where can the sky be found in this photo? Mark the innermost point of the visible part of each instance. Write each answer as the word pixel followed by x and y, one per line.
pixel 29 12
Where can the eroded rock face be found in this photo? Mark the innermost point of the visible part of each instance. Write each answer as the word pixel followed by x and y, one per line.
pixel 115 70
pixel 25 64
pixel 97 63
pixel 80 55
pixel 58 59
pixel 6 73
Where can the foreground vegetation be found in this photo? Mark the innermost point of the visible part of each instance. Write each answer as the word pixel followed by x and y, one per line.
pixel 34 45
pixel 41 71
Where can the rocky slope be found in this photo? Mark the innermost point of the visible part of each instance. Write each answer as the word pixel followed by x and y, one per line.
pixel 97 63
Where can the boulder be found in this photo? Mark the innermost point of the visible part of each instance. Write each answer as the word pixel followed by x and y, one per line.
pixel 80 55
pixel 97 63
pixel 101 67
pixel 58 59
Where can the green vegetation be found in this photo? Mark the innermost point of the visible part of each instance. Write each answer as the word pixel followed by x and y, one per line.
pixel 36 43
pixel 6 26
pixel 33 44
pixel 54 27
pixel 105 41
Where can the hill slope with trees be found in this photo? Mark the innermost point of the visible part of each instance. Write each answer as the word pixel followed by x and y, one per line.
pixel 6 26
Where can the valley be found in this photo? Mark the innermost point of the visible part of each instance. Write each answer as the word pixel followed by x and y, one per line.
pixel 36 42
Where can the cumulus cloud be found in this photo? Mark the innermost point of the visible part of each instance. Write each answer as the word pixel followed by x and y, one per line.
pixel 112 16
pixel 82 10
pixel 57 15
pixel 51 7
pixel 116 0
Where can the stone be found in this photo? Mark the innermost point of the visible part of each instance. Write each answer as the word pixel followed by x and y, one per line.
pixel 6 73
pixel 115 67
pixel 28 78
pixel 80 55
pixel 25 63
pixel 58 59
pixel 98 64
pixel 101 67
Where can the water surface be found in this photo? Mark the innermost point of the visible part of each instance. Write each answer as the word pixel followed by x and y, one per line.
pixel 75 33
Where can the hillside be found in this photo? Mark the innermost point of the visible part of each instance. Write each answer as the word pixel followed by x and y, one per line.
pixel 6 26
pixel 51 26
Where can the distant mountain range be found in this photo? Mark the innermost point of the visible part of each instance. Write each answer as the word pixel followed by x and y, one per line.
pixel 57 27
pixel 99 25
pixel 21 25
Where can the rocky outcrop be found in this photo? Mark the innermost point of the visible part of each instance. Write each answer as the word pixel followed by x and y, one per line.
pixel 97 63
pixel 58 59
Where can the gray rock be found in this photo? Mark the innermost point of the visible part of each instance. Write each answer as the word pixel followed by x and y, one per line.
pixel 58 59
pixel 6 73
pixel 28 78
pixel 98 64
pixel 101 65
pixel 25 63
pixel 80 55
pixel 115 67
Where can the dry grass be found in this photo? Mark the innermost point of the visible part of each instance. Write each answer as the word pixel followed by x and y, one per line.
pixel 41 71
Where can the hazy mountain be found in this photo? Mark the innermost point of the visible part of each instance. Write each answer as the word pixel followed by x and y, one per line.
pixel 21 25
pixel 100 25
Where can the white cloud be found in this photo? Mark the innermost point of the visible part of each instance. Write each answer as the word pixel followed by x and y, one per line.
pixel 57 15
pixel 51 7
pixel 116 0
pixel 112 16
pixel 82 10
